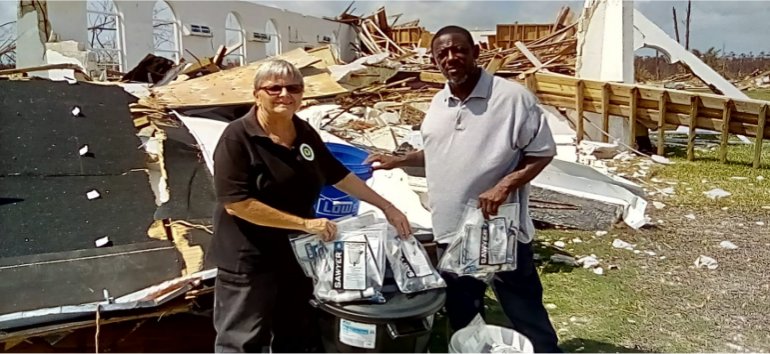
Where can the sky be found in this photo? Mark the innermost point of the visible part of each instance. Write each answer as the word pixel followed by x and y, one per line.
pixel 738 26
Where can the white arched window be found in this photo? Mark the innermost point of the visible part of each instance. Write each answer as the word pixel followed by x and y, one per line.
pixel 105 35
pixel 234 41
pixel 165 31
pixel 274 46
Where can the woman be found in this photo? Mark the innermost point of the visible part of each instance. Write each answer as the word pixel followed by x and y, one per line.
pixel 269 168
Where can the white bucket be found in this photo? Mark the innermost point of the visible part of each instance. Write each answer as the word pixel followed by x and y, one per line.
pixel 489 339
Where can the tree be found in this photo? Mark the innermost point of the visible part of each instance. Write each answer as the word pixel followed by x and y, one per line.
pixel 103 36
pixel 164 31
pixel 687 28
pixel 8 44
pixel 676 25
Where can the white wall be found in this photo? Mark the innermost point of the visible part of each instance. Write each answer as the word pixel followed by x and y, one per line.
pixel 68 20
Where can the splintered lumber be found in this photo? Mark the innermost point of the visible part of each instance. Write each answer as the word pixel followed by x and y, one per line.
pixel 236 86
pixel 70 66
pixel 726 113
pixel 579 109
pixel 633 110
pixel 605 111
pixel 692 123
pixel 758 142
pixel 661 122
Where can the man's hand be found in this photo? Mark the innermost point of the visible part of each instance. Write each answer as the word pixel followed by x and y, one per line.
pixel 398 220
pixel 491 200
pixel 325 228
pixel 386 162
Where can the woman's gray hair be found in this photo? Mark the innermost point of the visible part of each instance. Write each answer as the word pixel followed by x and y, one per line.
pixel 275 69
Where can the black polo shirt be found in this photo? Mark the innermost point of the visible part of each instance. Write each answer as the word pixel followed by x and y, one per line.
pixel 248 164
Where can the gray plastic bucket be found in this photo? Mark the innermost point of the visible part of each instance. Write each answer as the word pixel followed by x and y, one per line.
pixel 489 339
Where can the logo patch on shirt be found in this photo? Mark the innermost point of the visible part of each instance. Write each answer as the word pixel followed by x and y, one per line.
pixel 307 152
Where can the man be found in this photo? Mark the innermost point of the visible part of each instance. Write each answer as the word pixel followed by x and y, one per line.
pixel 485 138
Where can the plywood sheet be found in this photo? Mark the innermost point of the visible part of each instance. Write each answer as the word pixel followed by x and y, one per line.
pixel 236 86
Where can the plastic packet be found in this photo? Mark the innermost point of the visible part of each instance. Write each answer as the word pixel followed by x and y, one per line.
pixel 410 265
pixel 353 266
pixel 308 248
pixel 483 247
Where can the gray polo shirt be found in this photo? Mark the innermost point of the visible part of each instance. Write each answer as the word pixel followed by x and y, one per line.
pixel 471 145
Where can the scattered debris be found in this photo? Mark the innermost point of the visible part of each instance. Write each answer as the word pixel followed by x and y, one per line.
pixel 83 150
pixel 588 261
pixel 618 243
pixel 563 259
pixel 650 253
pixel 717 193
pixel 102 241
pixel 601 233
pixel 735 178
pixel 661 160
pixel 550 306
pixel 598 271
pixel 668 191
pixel 76 112
pixel 760 178
pixel 706 262
pixel 577 240
pixel 93 194
pixel 559 244
pixel 728 245
pixel 658 205
pixel 579 320
pixel 760 223
pixel 690 216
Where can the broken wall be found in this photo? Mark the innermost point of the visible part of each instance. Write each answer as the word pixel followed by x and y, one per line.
pixel 68 21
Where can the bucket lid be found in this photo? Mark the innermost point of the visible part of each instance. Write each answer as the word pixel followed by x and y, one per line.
pixel 399 306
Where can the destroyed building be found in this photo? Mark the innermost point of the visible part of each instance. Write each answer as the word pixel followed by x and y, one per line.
pixel 107 186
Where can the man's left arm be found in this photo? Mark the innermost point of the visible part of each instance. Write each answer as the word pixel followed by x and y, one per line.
pixel 536 143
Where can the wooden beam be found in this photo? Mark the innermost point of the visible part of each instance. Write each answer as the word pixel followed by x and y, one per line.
pixel 220 56
pixel 694 104
pixel 531 82
pixel 726 113
pixel 71 66
pixel 579 109
pixel 661 122
pixel 530 56
pixel 606 111
pixel 760 135
pixel 632 107
pixel 434 77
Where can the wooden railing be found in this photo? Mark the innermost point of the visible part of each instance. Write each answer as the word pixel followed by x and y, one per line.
pixel 646 105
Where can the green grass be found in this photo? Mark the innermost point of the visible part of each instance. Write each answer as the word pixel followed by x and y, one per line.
pixel 593 313
pixel 761 94
pixel 706 173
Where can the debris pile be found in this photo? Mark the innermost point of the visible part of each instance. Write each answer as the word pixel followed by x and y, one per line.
pixel 555 52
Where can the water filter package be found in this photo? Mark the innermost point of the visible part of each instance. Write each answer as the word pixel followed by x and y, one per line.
pixel 352 267
pixel 309 248
pixel 411 266
pixel 482 247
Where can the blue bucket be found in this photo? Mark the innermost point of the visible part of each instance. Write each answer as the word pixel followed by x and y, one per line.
pixel 333 203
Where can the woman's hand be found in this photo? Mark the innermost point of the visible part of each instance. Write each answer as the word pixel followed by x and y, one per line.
pixel 398 220
pixel 323 227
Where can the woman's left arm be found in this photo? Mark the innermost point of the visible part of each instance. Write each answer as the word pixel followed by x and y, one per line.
pixel 354 186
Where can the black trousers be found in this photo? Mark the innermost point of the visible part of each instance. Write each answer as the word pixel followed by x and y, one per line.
pixel 520 294
pixel 254 312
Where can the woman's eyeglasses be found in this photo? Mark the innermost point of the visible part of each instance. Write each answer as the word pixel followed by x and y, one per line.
pixel 275 90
